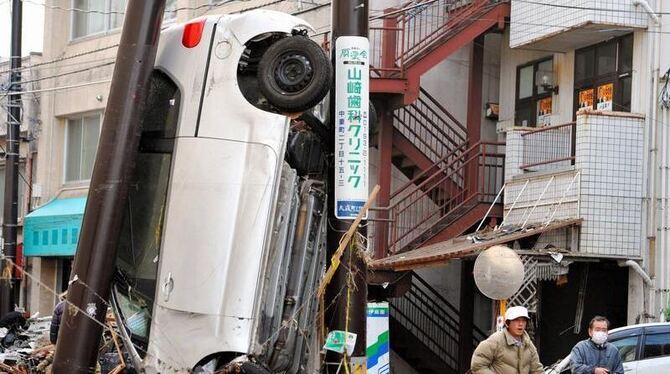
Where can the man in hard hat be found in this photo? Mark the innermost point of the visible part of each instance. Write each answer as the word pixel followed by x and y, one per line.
pixel 509 351
pixel 595 355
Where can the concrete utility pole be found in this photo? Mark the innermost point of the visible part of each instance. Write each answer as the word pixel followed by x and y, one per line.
pixel 349 18
pixel 9 292
pixel 93 269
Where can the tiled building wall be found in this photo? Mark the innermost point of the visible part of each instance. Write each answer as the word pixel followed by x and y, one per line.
pixel 513 154
pixel 609 153
pixel 561 198
pixel 535 20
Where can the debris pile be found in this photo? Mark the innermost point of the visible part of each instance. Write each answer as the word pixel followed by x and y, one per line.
pixel 25 347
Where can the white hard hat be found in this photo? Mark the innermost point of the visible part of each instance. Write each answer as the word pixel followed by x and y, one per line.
pixel 516 312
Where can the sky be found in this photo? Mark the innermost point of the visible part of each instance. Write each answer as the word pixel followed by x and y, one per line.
pixel 33 27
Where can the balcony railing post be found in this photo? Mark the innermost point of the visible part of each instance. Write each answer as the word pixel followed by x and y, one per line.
pixel 385 146
pixel 389 44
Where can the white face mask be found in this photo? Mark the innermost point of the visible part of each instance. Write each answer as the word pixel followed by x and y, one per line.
pixel 599 337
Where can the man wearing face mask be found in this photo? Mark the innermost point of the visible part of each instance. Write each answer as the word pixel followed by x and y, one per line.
pixel 595 355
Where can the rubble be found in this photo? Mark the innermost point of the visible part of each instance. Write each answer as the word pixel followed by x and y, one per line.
pixel 25 349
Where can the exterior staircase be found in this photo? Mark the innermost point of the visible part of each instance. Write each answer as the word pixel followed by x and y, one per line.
pixel 444 200
pixel 425 329
pixel 454 177
pixel 407 42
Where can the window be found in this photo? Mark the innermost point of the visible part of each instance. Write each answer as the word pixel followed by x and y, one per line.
pixel 603 75
pixel 96 16
pixel 91 17
pixel 533 99
pixel 142 230
pixel 81 143
pixel 656 345
pixel 627 347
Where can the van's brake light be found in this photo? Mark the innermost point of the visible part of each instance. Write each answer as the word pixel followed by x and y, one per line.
pixel 193 33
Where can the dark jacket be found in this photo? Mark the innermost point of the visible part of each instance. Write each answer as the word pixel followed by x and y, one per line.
pixel 55 322
pixel 586 356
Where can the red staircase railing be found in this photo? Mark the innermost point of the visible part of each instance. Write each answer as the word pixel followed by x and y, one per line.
pixel 415 30
pixel 430 127
pixel 431 201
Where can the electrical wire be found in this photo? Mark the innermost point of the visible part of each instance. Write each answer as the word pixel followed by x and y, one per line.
pixel 553 5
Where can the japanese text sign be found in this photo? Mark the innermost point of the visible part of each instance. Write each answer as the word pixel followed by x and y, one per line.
pixel 352 97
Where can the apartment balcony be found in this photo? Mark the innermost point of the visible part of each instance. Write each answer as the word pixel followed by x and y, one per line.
pixel 591 170
pixel 563 25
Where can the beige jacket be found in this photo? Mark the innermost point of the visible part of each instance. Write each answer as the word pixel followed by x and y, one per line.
pixel 499 355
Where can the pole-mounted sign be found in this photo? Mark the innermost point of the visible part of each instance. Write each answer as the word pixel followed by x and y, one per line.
pixel 352 97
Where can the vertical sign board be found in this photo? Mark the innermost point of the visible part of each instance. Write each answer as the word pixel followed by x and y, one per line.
pixel 352 97
pixel 378 347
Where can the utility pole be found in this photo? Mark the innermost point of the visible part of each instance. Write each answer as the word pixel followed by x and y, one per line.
pixel 9 291
pixel 348 115
pixel 83 320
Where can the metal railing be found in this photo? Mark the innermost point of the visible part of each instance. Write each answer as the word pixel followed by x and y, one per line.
pixel 432 319
pixel 549 147
pixel 430 127
pixel 433 199
pixel 415 30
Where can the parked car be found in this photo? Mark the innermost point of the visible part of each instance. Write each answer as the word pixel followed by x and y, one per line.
pixel 644 348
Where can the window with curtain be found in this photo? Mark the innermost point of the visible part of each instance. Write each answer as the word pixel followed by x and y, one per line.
pixel 95 16
pixel 81 143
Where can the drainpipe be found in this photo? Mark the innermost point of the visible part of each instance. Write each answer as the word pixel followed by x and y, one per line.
pixel 652 129
pixel 647 8
pixel 648 295
pixel 638 269
pixel 663 278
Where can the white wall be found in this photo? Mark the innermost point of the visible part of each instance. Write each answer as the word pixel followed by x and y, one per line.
pixel 559 188
pixel 533 21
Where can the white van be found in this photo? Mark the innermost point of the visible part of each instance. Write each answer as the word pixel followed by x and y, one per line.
pixel 223 240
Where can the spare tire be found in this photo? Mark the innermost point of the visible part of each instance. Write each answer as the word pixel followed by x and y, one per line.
pixel 294 74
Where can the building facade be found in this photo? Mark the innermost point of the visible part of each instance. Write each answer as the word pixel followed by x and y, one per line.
pixel 586 136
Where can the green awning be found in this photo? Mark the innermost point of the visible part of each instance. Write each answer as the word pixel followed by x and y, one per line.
pixel 53 229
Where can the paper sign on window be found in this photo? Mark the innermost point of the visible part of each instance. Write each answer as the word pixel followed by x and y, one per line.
pixel 605 94
pixel 544 112
pixel 586 98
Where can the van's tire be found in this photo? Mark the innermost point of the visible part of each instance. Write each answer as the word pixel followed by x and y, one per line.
pixel 294 74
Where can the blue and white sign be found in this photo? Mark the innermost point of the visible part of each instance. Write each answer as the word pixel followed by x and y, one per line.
pixel 378 346
pixel 352 97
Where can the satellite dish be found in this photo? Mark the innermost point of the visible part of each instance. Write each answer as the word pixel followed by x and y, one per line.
pixel 498 272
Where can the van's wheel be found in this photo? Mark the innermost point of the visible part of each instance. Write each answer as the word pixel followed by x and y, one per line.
pixel 294 74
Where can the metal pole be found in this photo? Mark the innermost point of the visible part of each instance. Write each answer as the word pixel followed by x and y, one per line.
pixel 80 331
pixel 8 285
pixel 349 18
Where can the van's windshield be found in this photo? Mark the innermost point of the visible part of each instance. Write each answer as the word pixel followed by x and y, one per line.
pixel 142 231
